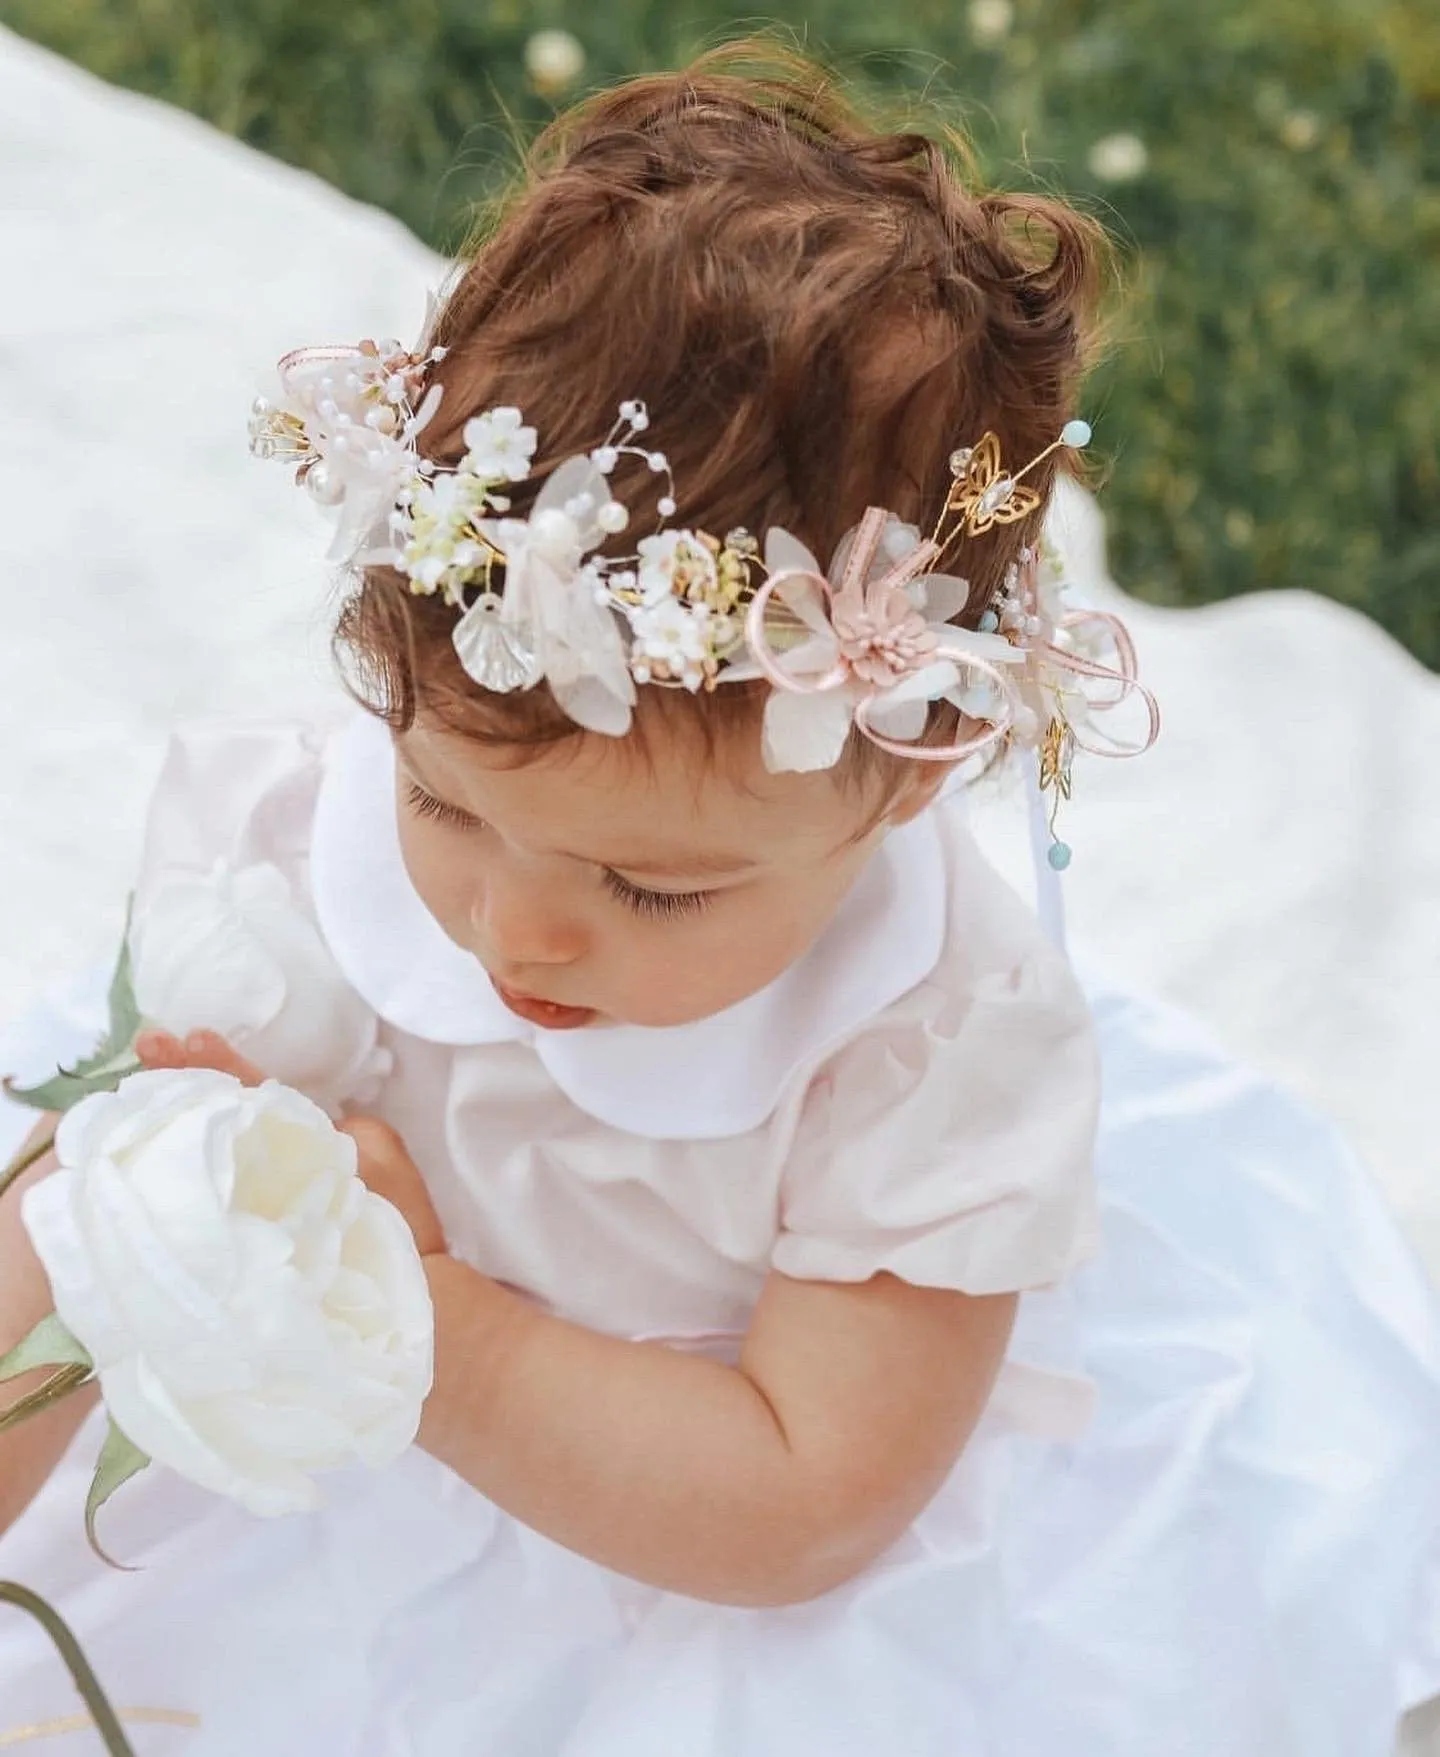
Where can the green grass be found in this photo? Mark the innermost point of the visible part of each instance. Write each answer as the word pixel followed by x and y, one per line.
pixel 1272 408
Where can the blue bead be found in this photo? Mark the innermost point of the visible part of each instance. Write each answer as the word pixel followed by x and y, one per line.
pixel 1075 434
pixel 1059 855
pixel 989 622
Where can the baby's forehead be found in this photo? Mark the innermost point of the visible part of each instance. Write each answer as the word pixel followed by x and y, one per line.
pixel 672 802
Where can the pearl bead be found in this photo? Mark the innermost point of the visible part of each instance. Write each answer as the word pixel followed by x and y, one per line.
pixel 613 517
pixel 1075 434
pixel 666 507
pixel 322 485
pixel 989 622
pixel 553 535
pixel 1059 856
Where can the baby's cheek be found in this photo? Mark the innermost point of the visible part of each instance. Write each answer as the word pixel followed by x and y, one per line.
pixel 696 971
pixel 439 879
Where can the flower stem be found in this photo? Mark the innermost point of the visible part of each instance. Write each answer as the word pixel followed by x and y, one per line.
pixel 107 1722
pixel 46 1395
pixel 23 1161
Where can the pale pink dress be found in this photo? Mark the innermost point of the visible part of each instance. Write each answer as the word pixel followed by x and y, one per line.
pixel 1200 1515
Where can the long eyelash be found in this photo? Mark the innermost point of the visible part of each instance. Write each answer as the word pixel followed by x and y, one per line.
pixel 427 805
pixel 656 905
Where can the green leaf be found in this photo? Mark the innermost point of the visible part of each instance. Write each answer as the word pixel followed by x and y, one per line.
pixel 113 1058
pixel 45 1396
pixel 124 1014
pixel 49 1344
pixel 65 1088
pixel 119 1460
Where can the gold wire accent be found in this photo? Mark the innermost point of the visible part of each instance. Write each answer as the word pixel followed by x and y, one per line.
pixel 978 469
pixel 76 1723
pixel 1056 751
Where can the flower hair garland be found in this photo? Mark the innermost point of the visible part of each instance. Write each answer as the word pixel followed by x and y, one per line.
pixel 866 644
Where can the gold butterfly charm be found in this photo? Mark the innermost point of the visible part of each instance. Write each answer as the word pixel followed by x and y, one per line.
pixel 983 494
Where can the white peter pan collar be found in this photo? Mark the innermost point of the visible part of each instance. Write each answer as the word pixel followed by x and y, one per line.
pixel 717 1077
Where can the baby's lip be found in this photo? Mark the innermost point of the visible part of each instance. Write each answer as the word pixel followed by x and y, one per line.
pixel 549 1015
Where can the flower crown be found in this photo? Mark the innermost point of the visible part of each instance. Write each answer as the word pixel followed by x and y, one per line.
pixel 866 644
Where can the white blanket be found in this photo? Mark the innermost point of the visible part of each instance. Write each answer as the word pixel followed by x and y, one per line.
pixel 1274 864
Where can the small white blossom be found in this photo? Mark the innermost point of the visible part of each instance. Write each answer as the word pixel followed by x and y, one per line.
pixel 659 557
pixel 672 634
pixel 436 535
pixel 499 446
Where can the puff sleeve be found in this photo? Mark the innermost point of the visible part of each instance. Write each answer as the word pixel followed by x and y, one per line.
pixel 951 1142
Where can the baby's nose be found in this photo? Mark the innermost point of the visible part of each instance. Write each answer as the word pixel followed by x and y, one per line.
pixel 517 928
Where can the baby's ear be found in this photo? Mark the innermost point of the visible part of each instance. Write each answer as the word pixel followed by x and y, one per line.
pixel 921 785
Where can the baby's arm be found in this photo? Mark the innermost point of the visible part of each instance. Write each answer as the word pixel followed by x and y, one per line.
pixel 766 1483
pixel 29 1453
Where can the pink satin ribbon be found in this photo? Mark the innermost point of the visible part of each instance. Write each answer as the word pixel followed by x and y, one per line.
pixel 878 601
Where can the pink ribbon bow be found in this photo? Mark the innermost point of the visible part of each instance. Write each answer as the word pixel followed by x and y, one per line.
pixel 871 654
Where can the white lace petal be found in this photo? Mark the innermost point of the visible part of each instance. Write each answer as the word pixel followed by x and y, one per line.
pixel 592 704
pixel 805 601
pixel 943 596
pixel 926 685
pixel 783 552
pixel 805 732
pixel 899 719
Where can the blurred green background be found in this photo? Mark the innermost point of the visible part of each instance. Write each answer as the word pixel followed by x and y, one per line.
pixel 1271 405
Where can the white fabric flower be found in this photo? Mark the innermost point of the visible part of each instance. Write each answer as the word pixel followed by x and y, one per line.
pixel 674 635
pixel 438 551
pixel 659 556
pixel 805 731
pixel 363 444
pixel 499 446
pixel 255 1314
pixel 230 951
pixel 550 599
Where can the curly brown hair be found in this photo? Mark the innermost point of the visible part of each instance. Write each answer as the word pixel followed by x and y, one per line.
pixel 816 313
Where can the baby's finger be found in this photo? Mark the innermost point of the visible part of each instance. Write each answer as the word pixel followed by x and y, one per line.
pixel 201 1049
pixel 388 1169
pixel 159 1049
pixel 208 1049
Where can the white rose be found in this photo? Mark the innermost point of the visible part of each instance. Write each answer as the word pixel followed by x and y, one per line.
pixel 254 1313
pixel 231 952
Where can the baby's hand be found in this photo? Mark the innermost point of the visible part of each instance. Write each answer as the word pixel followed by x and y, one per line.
pixel 385 1162
pixel 201 1049
pixel 388 1169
